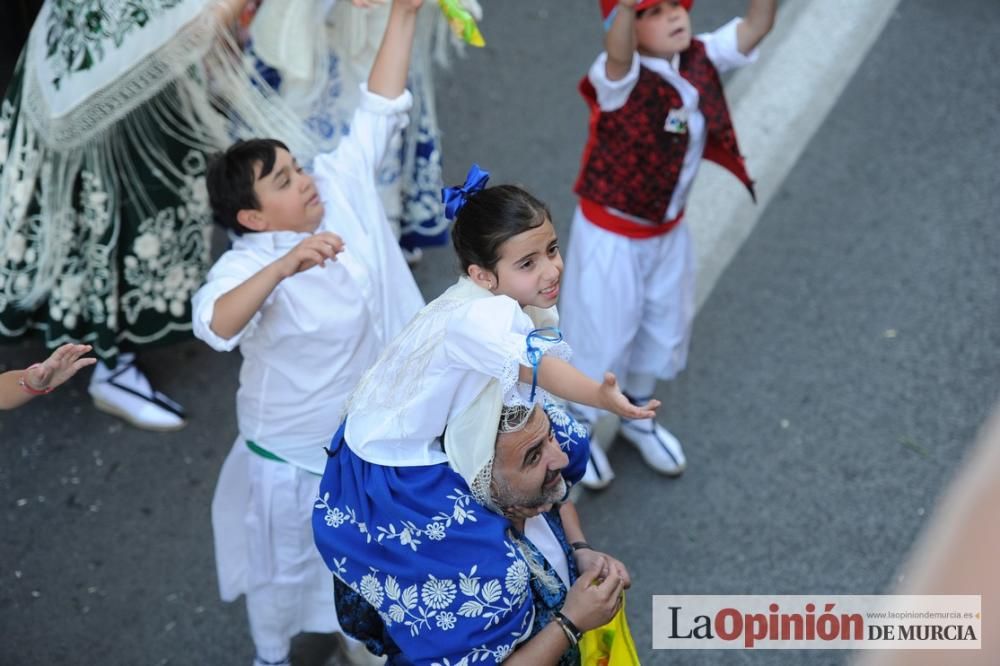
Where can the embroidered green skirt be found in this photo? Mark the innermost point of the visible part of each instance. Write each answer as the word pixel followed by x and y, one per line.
pixel 133 250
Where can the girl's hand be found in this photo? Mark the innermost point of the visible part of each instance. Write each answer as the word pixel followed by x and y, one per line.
pixel 595 597
pixel 588 557
pixel 58 368
pixel 614 401
pixel 367 4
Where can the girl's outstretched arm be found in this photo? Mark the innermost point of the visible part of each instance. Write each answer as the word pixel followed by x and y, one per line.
pixel 392 64
pixel 560 378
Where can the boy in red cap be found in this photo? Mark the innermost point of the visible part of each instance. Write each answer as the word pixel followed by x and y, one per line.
pixel 657 107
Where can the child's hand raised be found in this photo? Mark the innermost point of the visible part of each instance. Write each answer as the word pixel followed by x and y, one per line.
pixel 613 400
pixel 313 251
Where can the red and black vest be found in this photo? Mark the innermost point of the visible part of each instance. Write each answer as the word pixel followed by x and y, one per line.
pixel 631 163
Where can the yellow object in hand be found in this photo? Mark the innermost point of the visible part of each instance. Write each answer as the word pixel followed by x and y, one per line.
pixel 461 22
pixel 610 645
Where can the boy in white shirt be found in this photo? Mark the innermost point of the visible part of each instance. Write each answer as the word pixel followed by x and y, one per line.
pixel 305 293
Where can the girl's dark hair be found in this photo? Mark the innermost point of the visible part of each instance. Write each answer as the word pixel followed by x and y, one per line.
pixel 491 217
pixel 230 179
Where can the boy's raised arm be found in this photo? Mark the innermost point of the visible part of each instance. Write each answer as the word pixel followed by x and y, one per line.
pixel 392 63
pixel 756 24
pixel 620 41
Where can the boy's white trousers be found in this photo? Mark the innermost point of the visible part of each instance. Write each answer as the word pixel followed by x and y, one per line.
pixel 262 524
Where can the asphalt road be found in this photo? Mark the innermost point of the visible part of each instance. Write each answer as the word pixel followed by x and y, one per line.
pixel 838 373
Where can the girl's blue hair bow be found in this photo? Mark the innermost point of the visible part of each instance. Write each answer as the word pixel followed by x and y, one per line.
pixel 455 197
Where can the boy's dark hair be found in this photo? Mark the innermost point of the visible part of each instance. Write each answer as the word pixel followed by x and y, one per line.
pixel 491 217
pixel 230 179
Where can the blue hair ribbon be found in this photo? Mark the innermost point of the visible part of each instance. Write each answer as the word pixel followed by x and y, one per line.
pixel 455 197
pixel 534 354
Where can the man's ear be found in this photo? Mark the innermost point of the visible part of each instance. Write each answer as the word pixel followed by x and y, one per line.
pixel 482 277
pixel 252 219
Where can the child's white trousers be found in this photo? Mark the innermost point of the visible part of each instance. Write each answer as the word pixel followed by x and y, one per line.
pixel 627 305
pixel 262 523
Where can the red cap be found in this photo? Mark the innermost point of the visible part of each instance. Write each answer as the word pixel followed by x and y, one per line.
pixel 608 5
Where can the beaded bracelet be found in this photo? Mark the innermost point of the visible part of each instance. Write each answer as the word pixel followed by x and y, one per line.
pixel 22 381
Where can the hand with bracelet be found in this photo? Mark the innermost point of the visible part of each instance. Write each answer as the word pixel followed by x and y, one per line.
pixel 19 386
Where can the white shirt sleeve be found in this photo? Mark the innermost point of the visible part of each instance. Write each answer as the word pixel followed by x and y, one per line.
pixel 228 273
pixel 612 95
pixel 375 123
pixel 722 48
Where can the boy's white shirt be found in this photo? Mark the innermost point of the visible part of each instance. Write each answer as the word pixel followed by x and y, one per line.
pixel 319 330
pixel 722 48
pixel 432 371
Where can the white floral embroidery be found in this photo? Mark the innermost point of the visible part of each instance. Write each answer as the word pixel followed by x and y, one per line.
pixel 486 599
pixel 460 511
pixel 164 263
pixel 371 590
pixel 567 428
pixel 501 653
pixel 352 518
pixel 517 578
pixel 435 531
pixel 445 621
pixel 435 598
pixel 335 517
pixel 438 593
pixel 406 533
pixel 337 566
